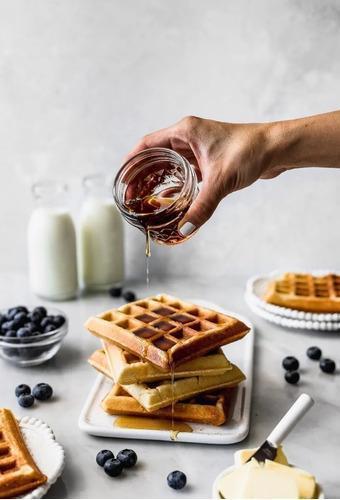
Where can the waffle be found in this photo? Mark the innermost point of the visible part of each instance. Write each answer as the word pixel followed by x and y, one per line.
pixel 305 292
pixel 155 395
pixel 128 369
pixel 18 472
pixel 166 331
pixel 98 360
pixel 211 409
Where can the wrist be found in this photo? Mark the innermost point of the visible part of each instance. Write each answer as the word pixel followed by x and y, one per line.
pixel 282 144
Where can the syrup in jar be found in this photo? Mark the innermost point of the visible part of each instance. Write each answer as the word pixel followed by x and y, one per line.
pixel 153 190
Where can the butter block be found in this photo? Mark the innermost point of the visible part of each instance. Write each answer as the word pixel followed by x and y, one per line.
pixel 254 480
pixel 241 456
pixel 305 481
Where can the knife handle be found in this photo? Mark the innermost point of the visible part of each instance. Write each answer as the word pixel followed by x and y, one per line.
pixel 291 418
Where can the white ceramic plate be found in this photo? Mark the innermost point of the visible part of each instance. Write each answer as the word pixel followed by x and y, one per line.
pixel 47 453
pixel 216 493
pixel 283 316
pixel 94 420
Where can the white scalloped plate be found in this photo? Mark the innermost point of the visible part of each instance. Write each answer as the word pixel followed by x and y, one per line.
pixel 47 453
pixel 284 316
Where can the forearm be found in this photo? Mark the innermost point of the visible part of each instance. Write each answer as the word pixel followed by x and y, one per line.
pixel 313 141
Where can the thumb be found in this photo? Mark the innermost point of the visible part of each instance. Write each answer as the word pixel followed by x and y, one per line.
pixel 201 210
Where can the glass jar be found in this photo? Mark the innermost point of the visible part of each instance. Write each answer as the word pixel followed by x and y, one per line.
pixel 52 259
pixel 101 237
pixel 153 190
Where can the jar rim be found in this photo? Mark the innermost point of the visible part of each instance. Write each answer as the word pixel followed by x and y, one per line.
pixel 182 161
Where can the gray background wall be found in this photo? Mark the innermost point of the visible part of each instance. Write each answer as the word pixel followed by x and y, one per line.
pixel 82 80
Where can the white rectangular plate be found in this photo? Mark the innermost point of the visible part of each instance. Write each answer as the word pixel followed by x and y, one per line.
pixel 94 420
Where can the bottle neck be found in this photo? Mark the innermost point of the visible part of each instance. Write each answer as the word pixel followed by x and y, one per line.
pixel 96 186
pixel 50 194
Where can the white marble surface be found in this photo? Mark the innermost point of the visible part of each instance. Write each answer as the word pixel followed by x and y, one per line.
pixel 82 80
pixel 313 445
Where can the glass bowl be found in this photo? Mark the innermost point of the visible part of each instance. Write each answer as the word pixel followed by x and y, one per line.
pixel 35 349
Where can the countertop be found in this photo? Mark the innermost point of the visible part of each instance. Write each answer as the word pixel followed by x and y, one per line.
pixel 313 445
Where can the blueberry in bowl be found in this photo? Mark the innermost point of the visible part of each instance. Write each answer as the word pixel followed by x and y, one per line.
pixel 31 336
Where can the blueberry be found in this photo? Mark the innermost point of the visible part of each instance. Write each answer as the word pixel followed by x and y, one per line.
pixel 103 456
pixel 292 377
pixel 41 310
pixel 314 352
pixel 327 365
pixel 20 318
pixel 15 310
pixel 26 400
pixel 45 322
pixel 22 389
pixel 58 320
pixel 177 480
pixel 32 327
pixel 113 467
pixel 115 291
pixel 290 363
pixel 49 328
pixel 10 334
pixel 3 318
pixel 129 296
pixel 7 325
pixel 42 391
pixel 35 317
pixel 24 332
pixel 127 457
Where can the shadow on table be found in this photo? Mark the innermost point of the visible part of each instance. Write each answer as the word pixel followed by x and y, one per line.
pixel 57 490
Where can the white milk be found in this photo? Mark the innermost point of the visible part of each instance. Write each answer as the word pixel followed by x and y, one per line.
pixel 101 245
pixel 52 254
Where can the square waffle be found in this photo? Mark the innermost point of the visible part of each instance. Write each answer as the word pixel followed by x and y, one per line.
pixel 155 395
pixel 165 330
pixel 99 362
pixel 126 368
pixel 209 408
pixel 305 292
pixel 18 472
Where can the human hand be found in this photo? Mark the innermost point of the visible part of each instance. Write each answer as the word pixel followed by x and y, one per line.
pixel 227 157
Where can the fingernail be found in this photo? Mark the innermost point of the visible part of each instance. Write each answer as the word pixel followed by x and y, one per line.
pixel 187 229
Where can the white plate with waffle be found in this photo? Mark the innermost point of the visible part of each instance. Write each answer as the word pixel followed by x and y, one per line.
pixel 94 420
pixel 285 316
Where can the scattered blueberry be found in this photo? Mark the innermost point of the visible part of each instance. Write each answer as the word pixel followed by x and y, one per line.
pixel 24 332
pixel 290 363
pixel 103 456
pixel 177 480
pixel 314 352
pixel 292 377
pixel 22 389
pixel 49 328
pixel 58 320
pixel 129 296
pixel 26 400
pixel 42 391
pixel 115 291
pixel 113 467
pixel 127 457
pixel 327 365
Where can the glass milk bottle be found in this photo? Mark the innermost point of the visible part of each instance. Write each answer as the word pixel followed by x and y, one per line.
pixel 101 238
pixel 52 258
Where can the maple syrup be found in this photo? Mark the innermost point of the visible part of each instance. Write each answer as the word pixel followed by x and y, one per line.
pixel 158 424
pixel 153 190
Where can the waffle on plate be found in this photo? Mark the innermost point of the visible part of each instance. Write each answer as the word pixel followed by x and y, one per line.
pixel 129 369
pixel 211 409
pixel 165 330
pixel 18 471
pixel 305 292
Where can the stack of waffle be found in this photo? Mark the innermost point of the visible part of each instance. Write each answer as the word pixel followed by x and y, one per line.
pixel 165 360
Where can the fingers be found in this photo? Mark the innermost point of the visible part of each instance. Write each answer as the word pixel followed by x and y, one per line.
pixel 201 210
pixel 159 139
